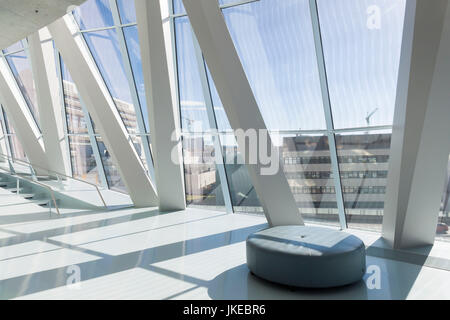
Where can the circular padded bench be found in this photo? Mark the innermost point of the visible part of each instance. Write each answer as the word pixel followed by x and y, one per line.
pixel 310 257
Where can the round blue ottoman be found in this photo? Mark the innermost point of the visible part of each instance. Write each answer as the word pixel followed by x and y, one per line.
pixel 309 257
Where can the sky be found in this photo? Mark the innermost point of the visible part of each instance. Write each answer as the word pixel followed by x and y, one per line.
pixel 361 41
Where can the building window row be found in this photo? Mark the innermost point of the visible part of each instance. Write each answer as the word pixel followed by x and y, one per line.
pixel 332 190
pixel 342 159
pixel 382 174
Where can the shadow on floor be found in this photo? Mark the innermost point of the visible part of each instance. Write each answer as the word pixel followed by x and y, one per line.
pixel 108 264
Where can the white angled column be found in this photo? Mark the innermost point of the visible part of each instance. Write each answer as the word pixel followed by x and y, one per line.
pixel 20 116
pixel 50 110
pixel 241 107
pixel 101 107
pixel 164 127
pixel 421 131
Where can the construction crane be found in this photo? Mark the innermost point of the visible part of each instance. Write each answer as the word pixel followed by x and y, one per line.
pixel 369 115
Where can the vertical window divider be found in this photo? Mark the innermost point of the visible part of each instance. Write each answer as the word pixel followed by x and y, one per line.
pixel 63 106
pixel 27 54
pixel 94 144
pixel 328 112
pixel 131 83
pixel 213 125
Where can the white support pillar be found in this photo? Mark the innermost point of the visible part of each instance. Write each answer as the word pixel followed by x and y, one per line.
pixel 420 143
pixel 47 89
pixel 101 107
pixel 165 133
pixel 240 106
pixel 20 116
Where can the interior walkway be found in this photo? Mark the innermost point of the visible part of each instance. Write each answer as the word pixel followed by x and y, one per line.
pixel 192 254
pixel 76 189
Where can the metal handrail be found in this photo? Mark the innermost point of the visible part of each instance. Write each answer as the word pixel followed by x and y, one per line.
pixel 52 193
pixel 57 174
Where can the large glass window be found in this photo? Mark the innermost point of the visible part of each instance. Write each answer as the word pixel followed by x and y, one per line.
pixel 82 150
pixel 76 121
pixel 307 166
pixel 127 11
pixel 243 193
pixel 134 53
pixel 14 48
pixel 116 52
pixel 94 14
pixel 84 165
pixel 362 41
pixel 194 117
pixel 202 180
pixel 16 148
pixel 21 69
pixel 363 163
pixel 274 40
pixel 17 151
pixel 178 7
pixel 112 173
pixel 105 49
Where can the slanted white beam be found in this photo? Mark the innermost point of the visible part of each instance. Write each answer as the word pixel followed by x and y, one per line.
pixel 241 107
pixel 420 143
pixel 20 116
pixel 101 107
pixel 164 127
pixel 47 90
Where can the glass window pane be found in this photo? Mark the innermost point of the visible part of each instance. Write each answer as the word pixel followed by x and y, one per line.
pixel 112 173
pixel 243 195
pixel 178 7
pixel 127 11
pixel 84 166
pixel 363 162
pixel 16 147
pixel 138 142
pixel 134 52
pixel 21 68
pixel 275 42
pixel 76 122
pixel 221 118
pixel 202 180
pixel 192 100
pixel 105 50
pixel 362 41
pixel 307 166
pixel 94 14
pixel 13 48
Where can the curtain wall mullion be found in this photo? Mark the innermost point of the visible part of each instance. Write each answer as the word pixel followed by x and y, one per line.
pixel 220 161
pixel 328 112
pixel 131 83
pixel 63 106
pixel 27 54
pixel 94 144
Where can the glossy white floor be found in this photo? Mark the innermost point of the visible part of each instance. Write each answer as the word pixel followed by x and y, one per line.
pixel 194 254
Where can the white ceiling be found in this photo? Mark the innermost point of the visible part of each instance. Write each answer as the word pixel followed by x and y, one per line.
pixel 20 18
